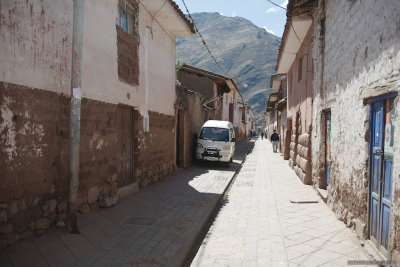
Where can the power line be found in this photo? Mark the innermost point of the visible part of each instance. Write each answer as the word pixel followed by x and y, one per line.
pixel 209 50
pixel 203 41
pixel 276 4
pixel 291 24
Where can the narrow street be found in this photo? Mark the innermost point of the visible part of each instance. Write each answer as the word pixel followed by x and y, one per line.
pixel 257 225
pixel 156 226
pixel 271 219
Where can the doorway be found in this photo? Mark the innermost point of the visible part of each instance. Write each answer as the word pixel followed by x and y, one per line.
pixel 125 168
pixel 180 139
pixel 327 115
pixel 381 161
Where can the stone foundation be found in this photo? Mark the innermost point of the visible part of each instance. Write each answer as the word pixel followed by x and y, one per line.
pixel 303 159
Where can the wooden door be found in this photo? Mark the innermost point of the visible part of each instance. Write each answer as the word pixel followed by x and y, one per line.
pixel 125 170
pixel 231 112
pixel 381 160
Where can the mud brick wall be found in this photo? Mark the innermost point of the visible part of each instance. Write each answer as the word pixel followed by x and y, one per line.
pixel 34 134
pixel 128 59
pixel 154 151
pixel 34 141
pixel 98 152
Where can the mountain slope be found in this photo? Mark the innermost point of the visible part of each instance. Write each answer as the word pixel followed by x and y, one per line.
pixel 245 51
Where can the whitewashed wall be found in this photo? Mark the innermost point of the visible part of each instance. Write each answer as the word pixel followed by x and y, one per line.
pixel 156 90
pixel 362 49
pixel 36 44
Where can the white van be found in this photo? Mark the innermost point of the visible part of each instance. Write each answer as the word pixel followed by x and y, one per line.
pixel 216 141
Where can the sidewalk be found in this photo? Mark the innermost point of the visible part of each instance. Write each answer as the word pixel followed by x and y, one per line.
pixel 259 226
pixel 155 227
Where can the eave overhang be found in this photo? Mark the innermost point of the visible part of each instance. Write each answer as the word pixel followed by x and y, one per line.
pixel 298 21
pixel 170 16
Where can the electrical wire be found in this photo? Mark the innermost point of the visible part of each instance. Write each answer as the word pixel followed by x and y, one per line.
pixel 203 41
pixel 276 5
pixel 154 16
pixel 209 50
pixel 291 24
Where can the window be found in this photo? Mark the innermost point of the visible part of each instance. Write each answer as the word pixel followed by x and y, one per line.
pixel 128 18
pixel 215 134
pixel 128 42
pixel 299 68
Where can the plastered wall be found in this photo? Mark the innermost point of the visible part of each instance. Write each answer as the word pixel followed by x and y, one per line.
pixel 156 61
pixel 36 43
pixel 359 59
pixel 300 89
pixel 36 51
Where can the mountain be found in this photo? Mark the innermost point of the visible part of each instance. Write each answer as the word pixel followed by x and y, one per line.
pixel 247 52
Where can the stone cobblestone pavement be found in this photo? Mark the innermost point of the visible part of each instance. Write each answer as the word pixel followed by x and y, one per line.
pixel 260 226
pixel 157 226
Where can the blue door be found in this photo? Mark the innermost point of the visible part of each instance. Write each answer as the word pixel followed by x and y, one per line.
pixel 381 159
pixel 327 147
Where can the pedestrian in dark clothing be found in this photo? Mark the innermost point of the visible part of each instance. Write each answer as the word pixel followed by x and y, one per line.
pixel 262 135
pixel 275 140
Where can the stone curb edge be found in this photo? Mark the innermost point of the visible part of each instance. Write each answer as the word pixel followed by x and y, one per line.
pixel 212 214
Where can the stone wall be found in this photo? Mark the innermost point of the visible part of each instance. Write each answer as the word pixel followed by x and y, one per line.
pixel 346 76
pixel 34 160
pixel 34 172
pixel 34 138
pixel 303 159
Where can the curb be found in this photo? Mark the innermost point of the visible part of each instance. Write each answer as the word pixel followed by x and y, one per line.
pixel 201 234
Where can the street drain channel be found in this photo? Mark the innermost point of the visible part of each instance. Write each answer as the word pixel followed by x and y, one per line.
pixel 303 201
pixel 142 221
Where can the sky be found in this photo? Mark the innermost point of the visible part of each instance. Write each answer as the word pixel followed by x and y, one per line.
pixel 260 12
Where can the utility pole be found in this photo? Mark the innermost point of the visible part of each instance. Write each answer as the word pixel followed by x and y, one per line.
pixel 75 115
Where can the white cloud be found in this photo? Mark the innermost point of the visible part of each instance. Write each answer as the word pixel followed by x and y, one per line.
pixel 270 31
pixel 233 14
pixel 284 4
pixel 275 9
pixel 271 10
pixel 221 14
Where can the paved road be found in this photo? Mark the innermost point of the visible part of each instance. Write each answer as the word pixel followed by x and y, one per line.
pixel 155 227
pixel 260 226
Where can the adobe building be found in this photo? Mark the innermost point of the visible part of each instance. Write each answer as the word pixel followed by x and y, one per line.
pixel 127 136
pixel 204 95
pixel 278 84
pixel 296 62
pixel 356 132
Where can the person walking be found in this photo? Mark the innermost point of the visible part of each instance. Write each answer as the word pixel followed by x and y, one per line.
pixel 275 140
pixel 262 135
